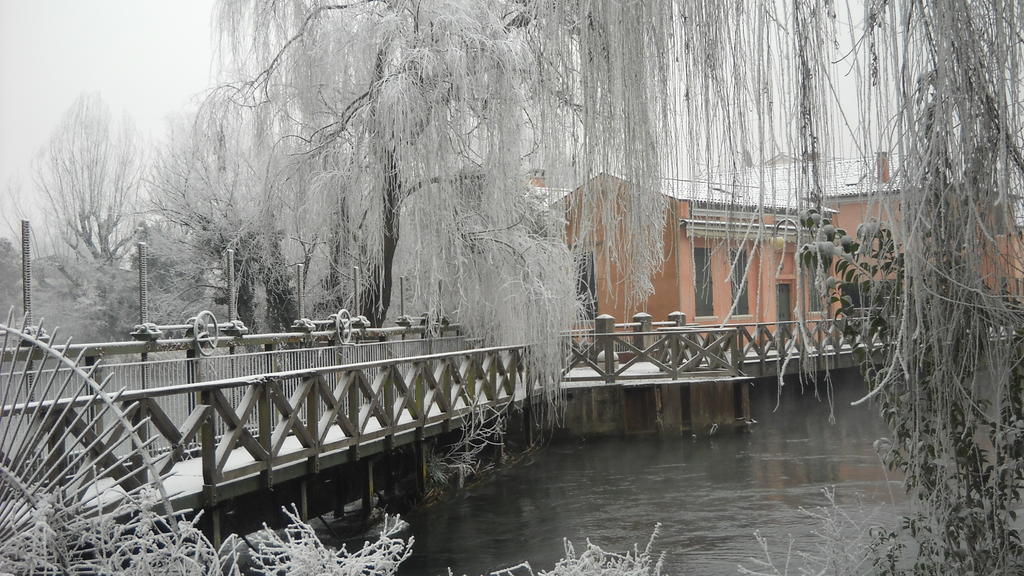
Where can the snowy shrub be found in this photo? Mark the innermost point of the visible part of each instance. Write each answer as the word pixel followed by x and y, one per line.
pixel 595 561
pixel 297 551
pixel 840 545
pixel 137 540
pixel 133 539
pixel 484 429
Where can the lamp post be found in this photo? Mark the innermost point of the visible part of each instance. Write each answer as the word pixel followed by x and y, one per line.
pixel 779 243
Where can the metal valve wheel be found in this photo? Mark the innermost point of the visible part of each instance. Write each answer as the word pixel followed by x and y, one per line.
pixel 343 326
pixel 204 332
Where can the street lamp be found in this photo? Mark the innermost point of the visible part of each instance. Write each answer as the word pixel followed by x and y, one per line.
pixel 779 242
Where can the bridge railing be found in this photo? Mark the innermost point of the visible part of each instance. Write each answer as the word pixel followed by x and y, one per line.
pixel 141 375
pixel 141 364
pixel 646 350
pixel 773 341
pixel 671 351
pixel 164 362
pixel 242 426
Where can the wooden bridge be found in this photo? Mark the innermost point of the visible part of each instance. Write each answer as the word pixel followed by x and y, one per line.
pixel 672 377
pixel 214 418
pixel 643 351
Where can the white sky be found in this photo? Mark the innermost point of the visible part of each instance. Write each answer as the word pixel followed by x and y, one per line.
pixel 145 57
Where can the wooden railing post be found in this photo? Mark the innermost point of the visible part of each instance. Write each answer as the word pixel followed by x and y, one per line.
pixel 526 375
pixel 354 408
pixel 737 352
pixel 469 383
pixel 418 387
pixel 678 318
pixel 604 340
pixel 265 428
pixel 675 351
pixel 208 451
pixel 313 420
pixel 388 384
pixel 492 376
pixel 643 325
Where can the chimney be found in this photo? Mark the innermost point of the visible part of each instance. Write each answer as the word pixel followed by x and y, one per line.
pixel 537 177
pixel 882 167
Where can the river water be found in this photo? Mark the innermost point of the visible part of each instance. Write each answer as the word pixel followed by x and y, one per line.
pixel 709 495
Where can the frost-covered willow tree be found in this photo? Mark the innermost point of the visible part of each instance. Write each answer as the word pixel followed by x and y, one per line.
pixel 939 84
pixel 952 386
pixel 420 123
pixel 422 118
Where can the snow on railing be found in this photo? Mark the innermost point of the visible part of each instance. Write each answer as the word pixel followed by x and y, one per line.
pixel 672 349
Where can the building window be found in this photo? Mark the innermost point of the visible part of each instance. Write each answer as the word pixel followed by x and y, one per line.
pixel 783 303
pixel 702 279
pixel 739 283
pixel 814 296
pixel 586 284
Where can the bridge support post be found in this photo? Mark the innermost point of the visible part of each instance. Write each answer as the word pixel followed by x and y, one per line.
pixel 304 498
pixel 742 394
pixel 366 485
pixel 420 454
pixel 528 421
pixel 341 486
pixel 265 427
pixel 213 518
pixel 388 457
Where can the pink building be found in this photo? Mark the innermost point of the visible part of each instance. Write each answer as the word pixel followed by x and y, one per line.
pixel 730 242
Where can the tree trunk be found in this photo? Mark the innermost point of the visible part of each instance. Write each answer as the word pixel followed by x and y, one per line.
pixel 280 296
pixel 375 298
pixel 335 285
pixel 245 293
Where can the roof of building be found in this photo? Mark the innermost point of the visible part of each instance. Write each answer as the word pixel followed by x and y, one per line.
pixel 784 186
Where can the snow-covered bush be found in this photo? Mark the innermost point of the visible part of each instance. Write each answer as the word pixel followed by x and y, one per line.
pixel 842 544
pixel 134 539
pixel 484 429
pixel 137 539
pixel 595 561
pixel 297 551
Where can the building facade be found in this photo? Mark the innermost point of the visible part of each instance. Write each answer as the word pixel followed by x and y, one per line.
pixel 730 243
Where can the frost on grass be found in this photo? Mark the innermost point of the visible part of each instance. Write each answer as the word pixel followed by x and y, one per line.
pixel 596 561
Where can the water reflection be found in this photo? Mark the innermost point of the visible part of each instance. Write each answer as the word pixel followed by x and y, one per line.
pixel 709 495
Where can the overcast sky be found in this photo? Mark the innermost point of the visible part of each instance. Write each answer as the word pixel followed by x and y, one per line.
pixel 145 57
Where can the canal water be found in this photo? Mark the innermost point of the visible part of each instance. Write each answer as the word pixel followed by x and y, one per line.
pixel 709 495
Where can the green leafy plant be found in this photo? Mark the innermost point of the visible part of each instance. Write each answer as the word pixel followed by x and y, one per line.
pixel 958 443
